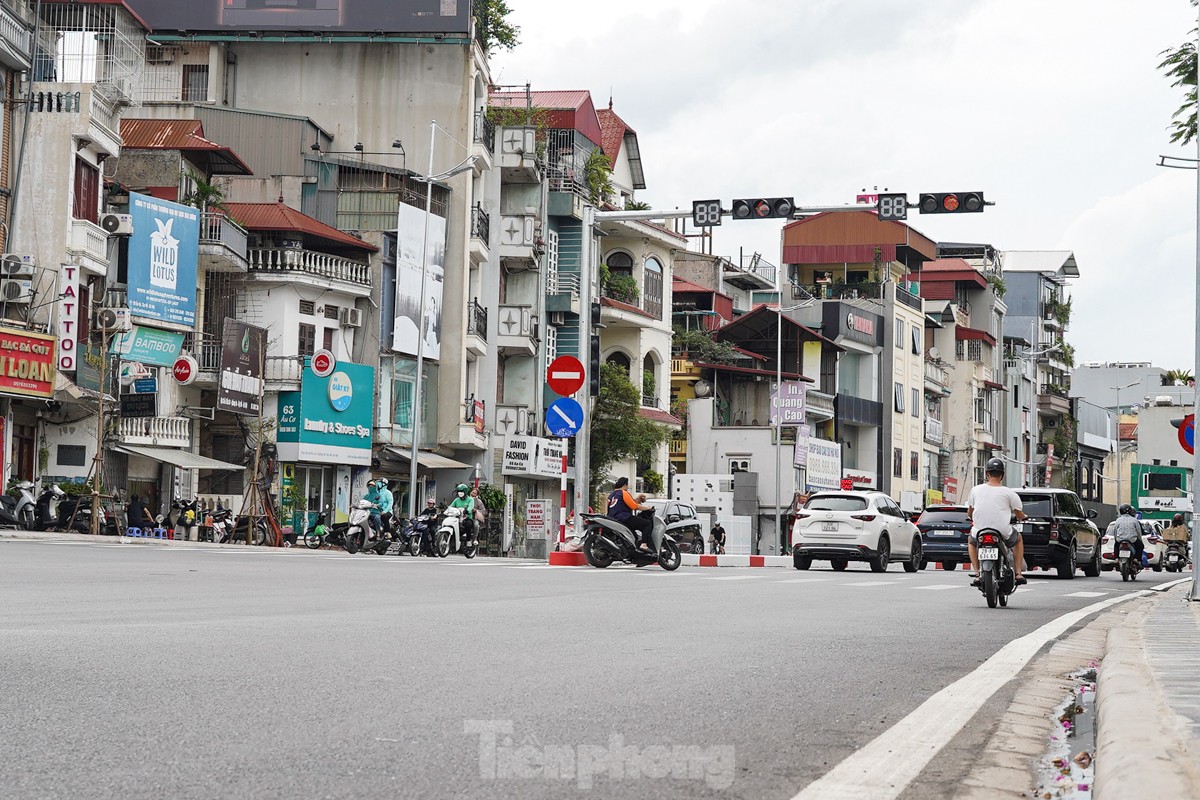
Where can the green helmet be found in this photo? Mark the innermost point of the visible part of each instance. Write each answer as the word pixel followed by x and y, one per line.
pixel 462 487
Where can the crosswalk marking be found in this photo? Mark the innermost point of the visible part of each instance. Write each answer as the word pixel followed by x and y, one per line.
pixel 1085 594
pixel 868 583
pixel 941 586
pixel 737 577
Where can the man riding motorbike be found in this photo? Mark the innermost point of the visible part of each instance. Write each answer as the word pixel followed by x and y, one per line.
pixel 1178 532
pixel 621 506
pixel 464 501
pixel 1126 528
pixel 386 501
pixel 993 505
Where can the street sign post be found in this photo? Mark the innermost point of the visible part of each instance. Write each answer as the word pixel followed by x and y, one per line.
pixel 565 375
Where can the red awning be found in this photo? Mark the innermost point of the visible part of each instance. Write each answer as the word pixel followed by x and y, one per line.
pixel 962 332
pixel 997 386
pixel 654 415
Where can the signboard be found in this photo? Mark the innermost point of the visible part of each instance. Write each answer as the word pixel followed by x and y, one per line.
pixel 933 497
pixel 139 405
pixel 790 404
pixel 851 322
pixel 163 254
pixel 329 421
pixel 537 519
pixel 1187 434
pixel 184 369
pixel 533 456
pixel 323 363
pixel 308 16
pixel 67 317
pixel 478 416
pixel 240 382
pixel 414 312
pixel 564 417
pixel 1165 503
pixel 860 478
pixel 824 470
pixel 950 489
pixel 565 375
pixel 1050 461
pixel 145 386
pixel 803 432
pixel 148 346
pixel 27 364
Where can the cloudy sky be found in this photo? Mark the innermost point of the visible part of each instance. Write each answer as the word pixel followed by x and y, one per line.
pixel 1054 108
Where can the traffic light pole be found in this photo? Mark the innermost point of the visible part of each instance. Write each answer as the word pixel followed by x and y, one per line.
pixel 583 438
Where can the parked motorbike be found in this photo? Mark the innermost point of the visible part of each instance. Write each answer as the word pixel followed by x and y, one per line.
pixel 74 512
pixel 997 578
pixel 1127 563
pixel 46 510
pixel 18 509
pixel 184 518
pixel 449 538
pixel 606 540
pixel 1176 557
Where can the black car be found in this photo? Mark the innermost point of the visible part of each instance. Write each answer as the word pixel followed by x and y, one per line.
pixel 944 531
pixel 1057 532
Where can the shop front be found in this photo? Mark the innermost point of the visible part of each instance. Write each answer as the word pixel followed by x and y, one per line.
pixel 27 382
pixel 324 439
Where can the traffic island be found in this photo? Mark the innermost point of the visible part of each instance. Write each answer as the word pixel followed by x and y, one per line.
pixel 567 558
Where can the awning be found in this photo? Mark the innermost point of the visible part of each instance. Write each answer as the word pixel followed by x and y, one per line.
pixel 429 460
pixel 180 458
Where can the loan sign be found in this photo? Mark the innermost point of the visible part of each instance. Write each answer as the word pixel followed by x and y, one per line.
pixel 26 363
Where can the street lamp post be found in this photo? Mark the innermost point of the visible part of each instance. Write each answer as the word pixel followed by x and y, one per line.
pixel 1120 456
pixel 779 415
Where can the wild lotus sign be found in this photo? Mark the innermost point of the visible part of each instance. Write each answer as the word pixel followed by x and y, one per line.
pixel 26 363
pixel 163 254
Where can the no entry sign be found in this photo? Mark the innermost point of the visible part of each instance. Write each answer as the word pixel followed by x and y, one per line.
pixel 565 375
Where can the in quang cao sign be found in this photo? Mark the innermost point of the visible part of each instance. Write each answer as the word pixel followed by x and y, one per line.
pixel 27 363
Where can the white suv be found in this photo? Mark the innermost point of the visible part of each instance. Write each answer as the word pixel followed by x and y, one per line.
pixel 855 526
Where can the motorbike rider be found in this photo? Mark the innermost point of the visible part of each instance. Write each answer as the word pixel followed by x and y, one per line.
pixel 386 500
pixel 1126 528
pixel 1178 530
pixel 464 501
pixel 993 505
pixel 621 506
pixel 372 497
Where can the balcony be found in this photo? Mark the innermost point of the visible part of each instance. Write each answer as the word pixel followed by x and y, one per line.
pixel 837 291
pixel 518 157
pixel 222 244
pixel 16 36
pixel 481 225
pixel 160 431
pixel 562 293
pixel 477 329
pixel 517 331
pixel 285 264
pixel 682 368
pixel 937 378
pixel 679 446
pixel 519 245
pixel 74 111
pixel 471 430
pixel 962 314
pixel 89 246
pixel 907 298
pixel 515 420
pixel 1052 400
pixel 483 141
pixel 282 373
pixel 650 401
pixel 818 406
pixel 758 274
pixel 933 431
pixel 206 349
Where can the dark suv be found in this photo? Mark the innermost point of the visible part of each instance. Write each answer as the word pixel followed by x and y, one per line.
pixel 944 532
pixel 1057 532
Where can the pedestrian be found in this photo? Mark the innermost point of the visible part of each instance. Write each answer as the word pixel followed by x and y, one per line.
pixel 480 511
pixel 716 538
pixel 137 514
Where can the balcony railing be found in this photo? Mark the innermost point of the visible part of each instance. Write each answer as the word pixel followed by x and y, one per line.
pixel 649 401
pixel 164 431
pixel 283 369
pixel 16 35
pixel 679 446
pixel 907 298
pixel 1056 389
pixel 74 98
pixel 837 291
pixel 936 373
pixel 933 430
pixel 309 262
pixel 216 228
pixel 481 223
pixel 485 131
pixel 89 239
pixel 477 320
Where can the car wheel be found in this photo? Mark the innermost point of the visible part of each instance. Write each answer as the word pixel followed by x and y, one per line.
pixel 915 560
pixel 698 546
pixel 1157 568
pixel 924 562
pixel 1066 564
pixel 800 561
pixel 883 556
pixel 1092 570
pixel 839 564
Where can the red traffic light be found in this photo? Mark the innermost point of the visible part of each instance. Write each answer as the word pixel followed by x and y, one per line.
pixel 951 203
pixel 764 208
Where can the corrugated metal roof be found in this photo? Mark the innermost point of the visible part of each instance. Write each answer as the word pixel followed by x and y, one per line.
pixel 279 217
pixel 855 228
pixel 272 144
pixel 569 109
pixel 186 136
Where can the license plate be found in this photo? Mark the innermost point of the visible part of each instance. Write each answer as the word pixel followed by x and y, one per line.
pixel 829 526
pixel 989 553
pixel 941 533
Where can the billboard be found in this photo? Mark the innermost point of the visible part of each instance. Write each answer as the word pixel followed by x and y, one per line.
pixel 330 420
pixel 163 253
pixel 307 16
pixel 148 346
pixel 27 363
pixel 412 311
pixel 243 348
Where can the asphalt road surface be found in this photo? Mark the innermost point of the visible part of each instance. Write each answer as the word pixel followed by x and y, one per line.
pixel 190 671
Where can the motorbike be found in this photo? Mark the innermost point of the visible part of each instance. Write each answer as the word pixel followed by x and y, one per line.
pixel 1127 563
pixel 74 512
pixel 17 510
pixel 449 540
pixel 997 578
pixel 415 531
pixel 1176 557
pixel 184 518
pixel 320 532
pixel 607 540
pixel 361 534
pixel 46 515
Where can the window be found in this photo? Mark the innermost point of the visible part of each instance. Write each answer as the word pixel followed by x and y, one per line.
pixel 327 343
pixel 899 398
pixel 620 264
pixel 307 339
pixel 835 503
pixel 306 307
pixel 86 203
pixel 916 340
pixel 195 83
pixel 72 455
pixel 914 466
pixel 916 403
pixel 652 288
pixel 897 462
pixel 331 312
pixel 899 334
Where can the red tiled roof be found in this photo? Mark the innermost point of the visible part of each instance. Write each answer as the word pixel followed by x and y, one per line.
pixel 279 217
pixel 617 304
pixel 948 270
pixel 569 110
pixel 654 415
pixel 612 133
pixel 184 135
pixel 1127 431
pixel 681 285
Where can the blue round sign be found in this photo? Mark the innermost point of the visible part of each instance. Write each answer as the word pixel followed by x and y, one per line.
pixel 340 391
pixel 564 417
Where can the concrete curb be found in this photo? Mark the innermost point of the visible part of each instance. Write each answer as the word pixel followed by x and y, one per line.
pixel 1140 751
pixel 697 560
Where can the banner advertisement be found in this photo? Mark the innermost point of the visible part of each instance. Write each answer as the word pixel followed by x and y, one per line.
pixel 950 489
pixel 824 469
pixel 413 312
pixel 803 433
pixel 148 346
pixel 163 254
pixel 308 16
pixel 27 363
pixel 243 348
pixel 329 421
pixel 67 322
pixel 537 519
pixel 861 479
pixel 533 456
pixel 790 403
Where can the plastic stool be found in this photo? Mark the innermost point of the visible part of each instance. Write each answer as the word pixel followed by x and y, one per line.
pixel 157 533
pixel 134 532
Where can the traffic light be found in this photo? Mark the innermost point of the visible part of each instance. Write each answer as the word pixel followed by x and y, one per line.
pixel 593 369
pixel 764 208
pixel 951 203
pixel 595 314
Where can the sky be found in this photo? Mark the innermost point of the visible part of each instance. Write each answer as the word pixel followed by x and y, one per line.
pixel 1055 109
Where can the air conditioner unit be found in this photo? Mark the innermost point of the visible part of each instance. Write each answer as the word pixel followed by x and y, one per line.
pixel 113 320
pixel 158 54
pixel 350 317
pixel 16 291
pixel 16 265
pixel 117 224
pixel 1052 422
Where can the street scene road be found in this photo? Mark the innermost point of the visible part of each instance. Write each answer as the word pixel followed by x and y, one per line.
pixel 178 670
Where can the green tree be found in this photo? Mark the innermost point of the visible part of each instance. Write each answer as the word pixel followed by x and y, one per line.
pixel 618 431
pixel 597 176
pixel 636 205
pixel 1180 66
pixel 203 194
pixel 492 27
pixel 1177 377
pixel 700 346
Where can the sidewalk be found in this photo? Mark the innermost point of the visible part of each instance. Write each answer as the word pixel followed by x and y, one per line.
pixel 1148 702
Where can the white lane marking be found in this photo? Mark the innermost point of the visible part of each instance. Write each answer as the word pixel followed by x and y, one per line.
pixel 804 580
pixel 941 586
pixel 737 577
pixel 868 583
pixel 883 768
pixel 1086 594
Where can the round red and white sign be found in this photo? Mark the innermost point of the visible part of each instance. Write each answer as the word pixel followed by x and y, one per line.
pixel 323 363
pixel 185 369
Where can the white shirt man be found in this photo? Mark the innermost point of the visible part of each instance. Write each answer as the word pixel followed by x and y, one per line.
pixel 993 505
